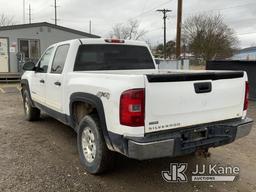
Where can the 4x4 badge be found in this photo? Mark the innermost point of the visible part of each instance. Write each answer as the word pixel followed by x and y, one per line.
pixel 103 94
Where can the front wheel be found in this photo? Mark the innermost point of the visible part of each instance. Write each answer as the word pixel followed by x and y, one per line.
pixel 93 152
pixel 31 113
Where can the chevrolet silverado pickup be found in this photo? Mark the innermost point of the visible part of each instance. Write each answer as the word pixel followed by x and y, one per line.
pixel 111 93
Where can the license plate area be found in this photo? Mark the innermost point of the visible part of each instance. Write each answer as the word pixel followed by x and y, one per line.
pixel 194 135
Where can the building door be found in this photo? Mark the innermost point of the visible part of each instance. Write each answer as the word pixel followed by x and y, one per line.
pixel 4 55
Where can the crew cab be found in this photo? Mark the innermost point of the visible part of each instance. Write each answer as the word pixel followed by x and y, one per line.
pixel 112 94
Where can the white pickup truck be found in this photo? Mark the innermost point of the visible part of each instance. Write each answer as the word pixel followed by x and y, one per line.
pixel 110 92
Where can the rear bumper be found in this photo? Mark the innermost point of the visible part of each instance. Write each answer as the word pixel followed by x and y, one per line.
pixel 244 129
pixel 172 143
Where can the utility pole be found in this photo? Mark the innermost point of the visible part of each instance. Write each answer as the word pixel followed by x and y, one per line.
pixel 55 6
pixel 24 12
pixel 29 10
pixel 90 26
pixel 164 11
pixel 179 25
pixel 55 11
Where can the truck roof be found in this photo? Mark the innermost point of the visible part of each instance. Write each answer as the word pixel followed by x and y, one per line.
pixel 105 41
pixel 108 41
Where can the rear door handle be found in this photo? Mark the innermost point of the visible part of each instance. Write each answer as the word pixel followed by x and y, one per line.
pixel 57 83
pixel 42 81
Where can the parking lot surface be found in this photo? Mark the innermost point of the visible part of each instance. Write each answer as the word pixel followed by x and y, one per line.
pixel 42 156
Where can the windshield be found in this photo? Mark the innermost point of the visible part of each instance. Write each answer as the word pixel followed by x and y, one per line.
pixel 113 57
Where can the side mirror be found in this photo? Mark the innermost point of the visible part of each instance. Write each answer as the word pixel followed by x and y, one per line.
pixel 29 66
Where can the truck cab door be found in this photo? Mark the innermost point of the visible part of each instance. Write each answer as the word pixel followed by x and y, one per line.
pixel 38 80
pixel 54 86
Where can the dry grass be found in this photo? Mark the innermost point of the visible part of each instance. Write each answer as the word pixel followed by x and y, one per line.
pixel 197 67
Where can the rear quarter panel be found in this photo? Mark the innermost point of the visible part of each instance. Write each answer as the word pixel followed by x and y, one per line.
pixel 94 83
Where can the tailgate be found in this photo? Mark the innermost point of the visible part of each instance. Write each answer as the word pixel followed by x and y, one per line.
pixel 186 99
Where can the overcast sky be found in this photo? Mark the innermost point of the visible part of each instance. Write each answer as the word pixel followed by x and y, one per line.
pixel 238 14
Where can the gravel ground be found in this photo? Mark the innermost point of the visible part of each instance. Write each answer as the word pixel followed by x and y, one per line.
pixel 42 156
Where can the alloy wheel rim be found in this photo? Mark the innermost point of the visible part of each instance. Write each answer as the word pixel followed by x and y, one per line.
pixel 88 145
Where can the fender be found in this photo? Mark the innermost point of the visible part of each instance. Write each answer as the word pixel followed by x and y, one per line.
pixel 24 83
pixel 97 103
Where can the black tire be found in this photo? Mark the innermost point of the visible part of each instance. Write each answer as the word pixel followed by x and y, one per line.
pixel 104 158
pixel 31 113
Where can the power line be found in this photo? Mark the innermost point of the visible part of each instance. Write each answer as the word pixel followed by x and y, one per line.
pixel 164 11
pixel 250 33
pixel 150 10
pixel 156 29
pixel 231 7
pixel 42 8
pixel 219 9
pixel 144 5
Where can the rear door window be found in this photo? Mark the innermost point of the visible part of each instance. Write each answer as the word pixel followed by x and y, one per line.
pixel 59 59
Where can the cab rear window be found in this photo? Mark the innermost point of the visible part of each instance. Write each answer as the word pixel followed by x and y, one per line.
pixel 113 57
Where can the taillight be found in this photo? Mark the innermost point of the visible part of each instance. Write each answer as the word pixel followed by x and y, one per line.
pixel 132 108
pixel 246 97
pixel 114 41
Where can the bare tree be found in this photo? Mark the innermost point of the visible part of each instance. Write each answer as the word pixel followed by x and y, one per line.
pixel 208 37
pixel 170 49
pixel 5 20
pixel 130 30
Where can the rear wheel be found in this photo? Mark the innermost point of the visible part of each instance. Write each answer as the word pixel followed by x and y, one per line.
pixel 93 152
pixel 31 113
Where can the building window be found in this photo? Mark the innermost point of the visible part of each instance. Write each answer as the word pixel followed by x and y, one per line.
pixel 24 47
pixel 30 48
